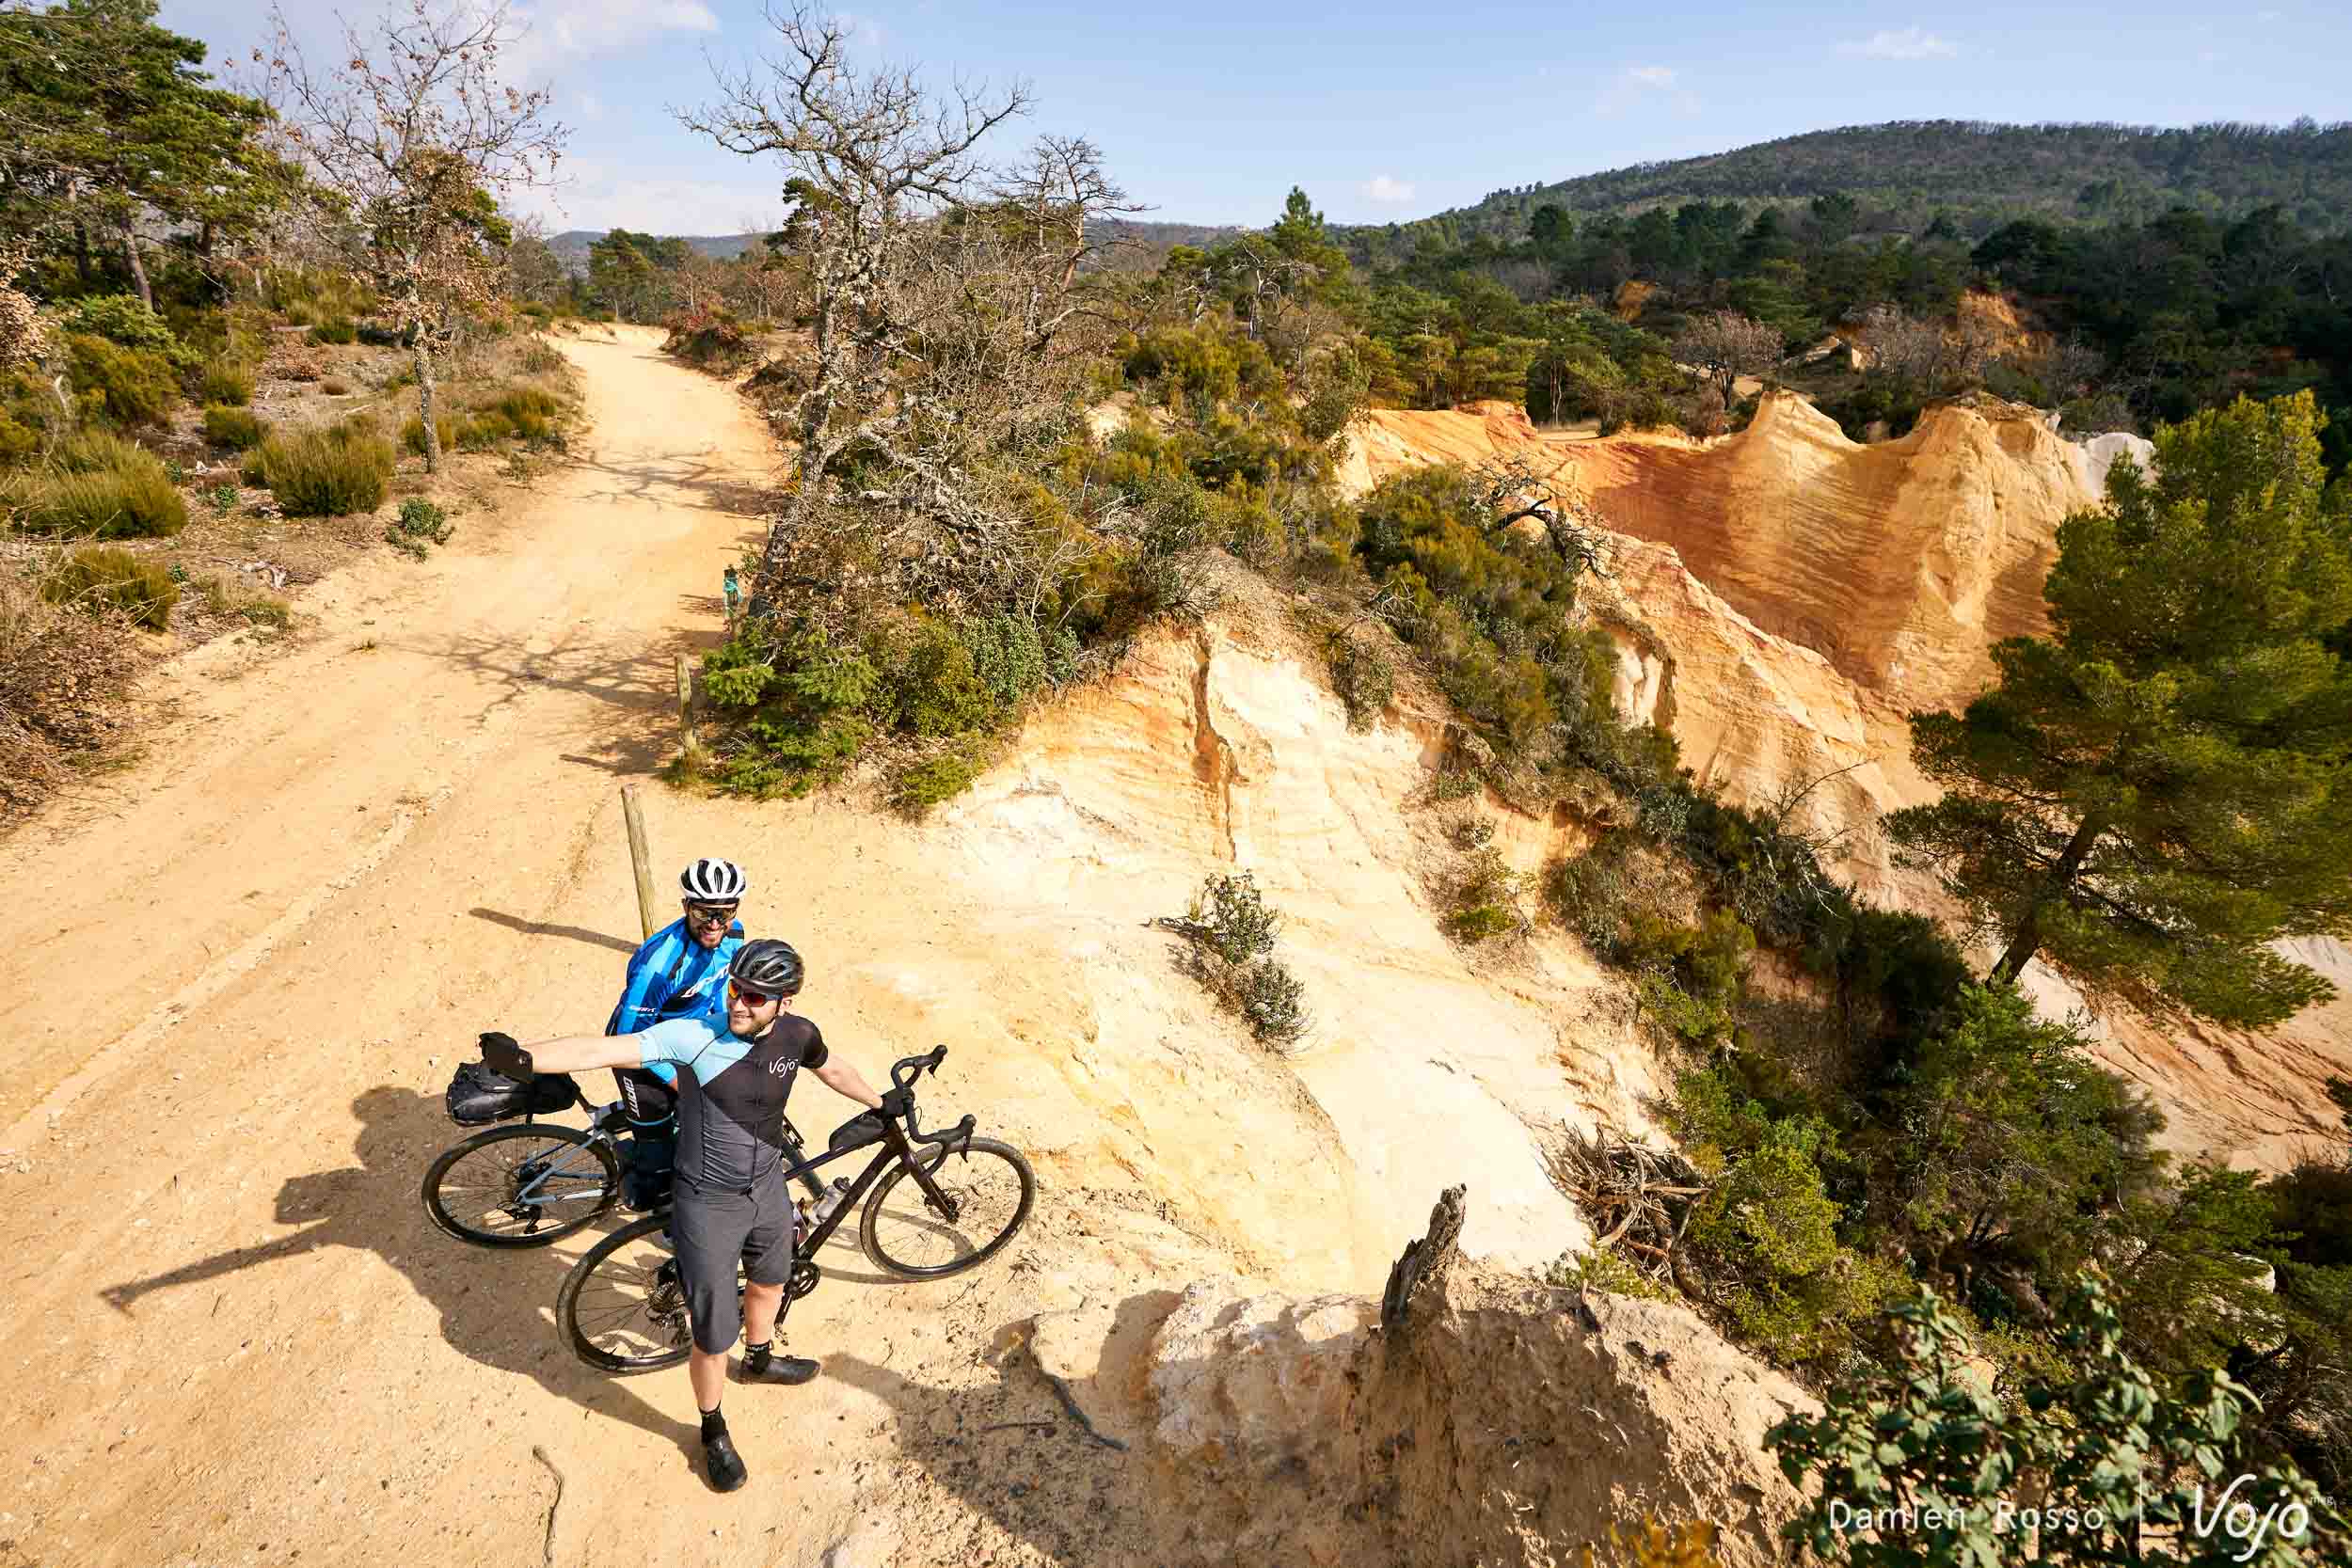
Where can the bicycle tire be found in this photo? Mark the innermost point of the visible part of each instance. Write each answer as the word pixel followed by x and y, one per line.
pixel 438 1207
pixel 668 1326
pixel 936 1162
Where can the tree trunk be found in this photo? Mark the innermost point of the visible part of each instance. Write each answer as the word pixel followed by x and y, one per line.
pixel 424 399
pixel 138 268
pixel 2026 940
pixel 81 254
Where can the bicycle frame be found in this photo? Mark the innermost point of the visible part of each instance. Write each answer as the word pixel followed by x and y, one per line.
pixel 898 1144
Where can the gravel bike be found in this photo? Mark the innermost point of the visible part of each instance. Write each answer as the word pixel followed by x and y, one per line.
pixel 529 1182
pixel 936 1204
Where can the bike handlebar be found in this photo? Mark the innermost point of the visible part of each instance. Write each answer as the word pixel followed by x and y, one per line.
pixel 908 1068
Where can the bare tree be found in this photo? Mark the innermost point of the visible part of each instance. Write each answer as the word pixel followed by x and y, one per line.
pixel 1510 491
pixel 1725 345
pixel 423 143
pixel 940 301
pixel 1933 358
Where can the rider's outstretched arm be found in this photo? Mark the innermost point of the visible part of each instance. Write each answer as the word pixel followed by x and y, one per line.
pixel 578 1052
pixel 844 1078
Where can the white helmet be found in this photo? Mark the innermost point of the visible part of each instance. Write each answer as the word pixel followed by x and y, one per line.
pixel 709 881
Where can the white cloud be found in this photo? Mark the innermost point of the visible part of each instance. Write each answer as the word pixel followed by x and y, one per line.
pixel 556 30
pixel 1911 43
pixel 1388 192
pixel 1637 83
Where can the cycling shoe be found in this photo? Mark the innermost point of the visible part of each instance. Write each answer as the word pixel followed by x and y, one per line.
pixel 724 1466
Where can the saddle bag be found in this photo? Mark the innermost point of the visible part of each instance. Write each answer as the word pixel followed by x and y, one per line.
pixel 477 1097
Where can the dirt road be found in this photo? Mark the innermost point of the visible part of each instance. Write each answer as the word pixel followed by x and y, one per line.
pixel 237 977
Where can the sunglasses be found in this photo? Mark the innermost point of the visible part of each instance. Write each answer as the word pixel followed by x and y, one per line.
pixel 749 998
pixel 711 914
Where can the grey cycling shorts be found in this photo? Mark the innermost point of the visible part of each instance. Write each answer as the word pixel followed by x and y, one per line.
pixel 711 1229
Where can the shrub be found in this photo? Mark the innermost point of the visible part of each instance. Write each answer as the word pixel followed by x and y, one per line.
pixel 238 428
pixel 226 380
pixel 102 486
pixel 1588 894
pixel 530 410
pixel 327 471
pixel 123 319
pixel 113 576
pixel 1603 1271
pixel 1692 975
pixel 335 388
pixel 1232 930
pixel 339 329
pixel 222 497
pixel 127 386
pixel 420 523
pixel 1482 899
pixel 940 777
pixel 224 595
pixel 711 339
pixel 1232 918
pixel 444 426
pixel 59 669
pixel 1365 681
pixel 543 359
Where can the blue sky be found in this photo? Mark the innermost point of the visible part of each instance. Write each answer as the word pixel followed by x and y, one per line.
pixel 1210 112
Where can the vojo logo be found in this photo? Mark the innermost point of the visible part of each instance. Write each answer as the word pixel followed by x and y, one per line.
pixel 781 1066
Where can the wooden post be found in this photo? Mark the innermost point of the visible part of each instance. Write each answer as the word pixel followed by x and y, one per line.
pixel 693 744
pixel 638 858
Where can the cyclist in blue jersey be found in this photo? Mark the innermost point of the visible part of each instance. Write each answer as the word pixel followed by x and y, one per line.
pixel 678 972
pixel 734 1076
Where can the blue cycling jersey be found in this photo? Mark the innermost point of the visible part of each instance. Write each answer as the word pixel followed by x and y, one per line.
pixel 673 975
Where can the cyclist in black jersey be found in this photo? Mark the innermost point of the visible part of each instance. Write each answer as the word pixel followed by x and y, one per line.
pixel 730 1200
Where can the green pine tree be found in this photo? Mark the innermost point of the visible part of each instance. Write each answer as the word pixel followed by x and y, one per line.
pixel 2163 787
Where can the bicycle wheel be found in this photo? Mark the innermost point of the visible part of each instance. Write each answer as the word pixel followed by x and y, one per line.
pixel 521 1186
pixel 992 1186
pixel 621 1310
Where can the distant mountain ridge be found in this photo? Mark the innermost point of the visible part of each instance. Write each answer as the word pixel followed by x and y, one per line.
pixel 1980 173
pixel 571 247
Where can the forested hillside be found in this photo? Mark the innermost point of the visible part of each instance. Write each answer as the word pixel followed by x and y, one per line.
pixel 1978 175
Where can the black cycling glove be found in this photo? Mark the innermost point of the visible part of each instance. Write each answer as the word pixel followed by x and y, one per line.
pixel 504 1056
pixel 896 1102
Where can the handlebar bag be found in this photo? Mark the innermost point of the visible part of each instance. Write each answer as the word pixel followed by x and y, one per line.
pixel 477 1097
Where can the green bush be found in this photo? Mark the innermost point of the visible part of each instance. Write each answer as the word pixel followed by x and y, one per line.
pixel 1690 974
pixel 122 319
pixel 107 575
pixel 238 428
pixel 1482 899
pixel 227 381
pixel 1365 681
pixel 327 471
pixel 532 412
pixel 338 329
pixel 943 776
pixel 543 359
pixel 124 385
pixel 1233 919
pixel 1588 894
pixel 102 486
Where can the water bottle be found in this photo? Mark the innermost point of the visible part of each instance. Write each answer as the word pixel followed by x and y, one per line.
pixel 832 1201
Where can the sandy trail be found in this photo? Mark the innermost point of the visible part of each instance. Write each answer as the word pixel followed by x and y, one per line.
pixel 238 977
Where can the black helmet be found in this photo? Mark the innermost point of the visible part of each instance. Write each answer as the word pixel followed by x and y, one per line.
pixel 767 965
